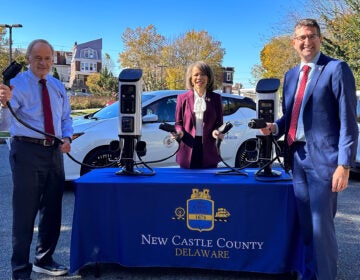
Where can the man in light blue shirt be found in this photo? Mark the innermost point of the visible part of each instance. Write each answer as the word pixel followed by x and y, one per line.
pixel 36 161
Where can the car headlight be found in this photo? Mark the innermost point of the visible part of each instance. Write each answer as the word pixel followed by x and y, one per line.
pixel 77 135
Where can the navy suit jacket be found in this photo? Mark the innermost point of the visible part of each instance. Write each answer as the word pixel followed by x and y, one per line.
pixel 330 120
pixel 185 120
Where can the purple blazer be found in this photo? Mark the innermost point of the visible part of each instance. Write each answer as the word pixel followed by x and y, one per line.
pixel 185 121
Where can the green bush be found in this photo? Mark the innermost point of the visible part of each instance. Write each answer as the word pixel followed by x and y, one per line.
pixel 88 102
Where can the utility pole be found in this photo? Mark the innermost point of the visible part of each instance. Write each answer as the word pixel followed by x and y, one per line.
pixel 10 26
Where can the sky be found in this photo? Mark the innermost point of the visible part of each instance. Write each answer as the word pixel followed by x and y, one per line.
pixel 243 27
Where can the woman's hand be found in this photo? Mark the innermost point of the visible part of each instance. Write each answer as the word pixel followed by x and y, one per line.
pixel 178 135
pixel 216 134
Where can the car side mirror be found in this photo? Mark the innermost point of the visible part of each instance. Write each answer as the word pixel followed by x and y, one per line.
pixel 150 118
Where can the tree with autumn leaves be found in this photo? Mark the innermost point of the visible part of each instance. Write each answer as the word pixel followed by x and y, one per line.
pixel 342 37
pixel 163 61
pixel 340 24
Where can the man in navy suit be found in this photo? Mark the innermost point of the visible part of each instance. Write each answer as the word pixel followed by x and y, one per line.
pixel 324 144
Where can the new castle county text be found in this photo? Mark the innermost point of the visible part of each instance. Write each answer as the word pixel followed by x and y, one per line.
pixel 198 247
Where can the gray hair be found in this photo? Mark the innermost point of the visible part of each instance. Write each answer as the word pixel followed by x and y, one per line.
pixel 204 68
pixel 33 43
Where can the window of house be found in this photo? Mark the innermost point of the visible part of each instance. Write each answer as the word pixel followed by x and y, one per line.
pixel 92 67
pixel 228 76
pixel 88 53
pixel 88 67
pixel 84 66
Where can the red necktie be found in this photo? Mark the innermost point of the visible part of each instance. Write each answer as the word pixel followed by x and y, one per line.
pixel 297 105
pixel 48 120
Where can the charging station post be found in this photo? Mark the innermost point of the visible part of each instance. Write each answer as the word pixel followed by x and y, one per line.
pixel 130 118
pixel 267 111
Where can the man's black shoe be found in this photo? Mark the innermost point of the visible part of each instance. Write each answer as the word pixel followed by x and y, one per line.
pixel 53 269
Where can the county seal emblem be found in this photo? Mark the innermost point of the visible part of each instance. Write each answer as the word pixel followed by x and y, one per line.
pixel 200 211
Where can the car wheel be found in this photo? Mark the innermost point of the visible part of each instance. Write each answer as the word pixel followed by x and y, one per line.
pixel 240 160
pixel 101 156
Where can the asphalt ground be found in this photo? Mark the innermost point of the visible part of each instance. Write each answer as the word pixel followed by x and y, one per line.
pixel 347 225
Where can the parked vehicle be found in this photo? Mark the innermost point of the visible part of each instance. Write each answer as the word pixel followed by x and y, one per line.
pixel 94 132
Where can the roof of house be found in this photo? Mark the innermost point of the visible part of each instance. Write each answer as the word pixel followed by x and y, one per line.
pixel 95 45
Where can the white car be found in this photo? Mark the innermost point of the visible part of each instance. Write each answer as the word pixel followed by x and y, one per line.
pixel 93 133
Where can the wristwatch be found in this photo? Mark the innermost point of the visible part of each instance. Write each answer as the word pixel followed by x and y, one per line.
pixel 346 166
pixel 69 138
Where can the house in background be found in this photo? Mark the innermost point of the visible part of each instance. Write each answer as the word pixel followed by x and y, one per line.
pixel 62 62
pixel 228 74
pixel 86 60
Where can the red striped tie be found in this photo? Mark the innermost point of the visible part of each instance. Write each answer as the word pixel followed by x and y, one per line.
pixel 297 105
pixel 48 119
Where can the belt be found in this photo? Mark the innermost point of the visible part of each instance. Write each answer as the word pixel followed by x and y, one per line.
pixel 42 142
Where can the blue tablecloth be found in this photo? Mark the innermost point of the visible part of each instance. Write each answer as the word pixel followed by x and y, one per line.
pixel 186 218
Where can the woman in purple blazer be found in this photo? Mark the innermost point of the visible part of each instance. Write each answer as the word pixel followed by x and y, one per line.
pixel 197 119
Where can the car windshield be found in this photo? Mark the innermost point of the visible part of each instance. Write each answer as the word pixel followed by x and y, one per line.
pixel 112 111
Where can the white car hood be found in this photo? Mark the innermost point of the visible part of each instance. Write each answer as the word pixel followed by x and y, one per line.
pixel 81 124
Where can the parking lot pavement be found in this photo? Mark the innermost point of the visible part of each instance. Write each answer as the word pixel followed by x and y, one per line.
pixel 347 226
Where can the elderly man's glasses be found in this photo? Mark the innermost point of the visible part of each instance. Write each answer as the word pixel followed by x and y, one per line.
pixel 302 38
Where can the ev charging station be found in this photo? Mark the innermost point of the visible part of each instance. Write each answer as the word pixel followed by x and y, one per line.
pixel 267 111
pixel 130 118
pixel 267 99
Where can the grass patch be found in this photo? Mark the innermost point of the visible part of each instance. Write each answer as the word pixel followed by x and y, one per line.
pixel 86 102
pixel 83 105
pixel 75 113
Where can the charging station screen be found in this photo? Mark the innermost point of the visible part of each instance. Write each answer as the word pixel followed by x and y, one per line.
pixel 266 110
pixel 127 124
pixel 266 104
pixel 128 99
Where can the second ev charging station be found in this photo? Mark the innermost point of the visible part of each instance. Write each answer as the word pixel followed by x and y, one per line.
pixel 130 118
pixel 267 111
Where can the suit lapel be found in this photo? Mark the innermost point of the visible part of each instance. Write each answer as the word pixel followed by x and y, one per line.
pixel 190 104
pixel 319 67
pixel 294 75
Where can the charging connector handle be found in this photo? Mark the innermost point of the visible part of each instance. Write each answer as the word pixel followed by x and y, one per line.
pixel 167 127
pixel 10 72
pixel 225 127
pixel 257 123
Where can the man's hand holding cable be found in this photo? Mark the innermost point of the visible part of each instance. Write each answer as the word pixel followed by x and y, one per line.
pixel 5 95
pixel 66 145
